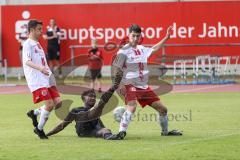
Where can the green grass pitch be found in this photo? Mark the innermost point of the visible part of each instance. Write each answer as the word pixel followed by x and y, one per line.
pixel 210 122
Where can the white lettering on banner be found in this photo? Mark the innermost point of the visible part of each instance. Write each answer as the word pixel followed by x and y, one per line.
pixel 64 34
pixel 74 36
pixel 83 34
pixel 150 32
pixel 233 29
pixel 100 34
pixel 91 30
pixel 159 30
pixel 183 32
pixel 106 33
pixel 219 31
pixel 120 33
pixel 109 34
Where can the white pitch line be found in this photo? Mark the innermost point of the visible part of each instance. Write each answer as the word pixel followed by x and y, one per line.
pixel 163 146
pixel 204 139
pixel 13 92
pixel 201 88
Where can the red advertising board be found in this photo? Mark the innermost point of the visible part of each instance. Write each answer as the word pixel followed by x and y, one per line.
pixel 193 22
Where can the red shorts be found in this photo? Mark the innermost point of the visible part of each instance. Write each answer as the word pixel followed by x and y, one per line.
pixel 43 94
pixel 143 96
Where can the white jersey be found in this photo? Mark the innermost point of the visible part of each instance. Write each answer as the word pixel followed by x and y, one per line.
pixel 33 51
pixel 134 64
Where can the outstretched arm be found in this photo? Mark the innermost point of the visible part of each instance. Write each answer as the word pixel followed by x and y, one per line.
pixel 97 110
pixel 70 117
pixel 58 128
pixel 157 46
pixel 117 75
pixel 117 69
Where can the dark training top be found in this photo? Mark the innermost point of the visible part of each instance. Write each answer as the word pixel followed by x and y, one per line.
pixel 54 41
pixel 88 119
pixel 83 128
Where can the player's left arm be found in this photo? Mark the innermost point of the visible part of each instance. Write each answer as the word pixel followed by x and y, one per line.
pixel 117 69
pixel 157 46
pixel 97 109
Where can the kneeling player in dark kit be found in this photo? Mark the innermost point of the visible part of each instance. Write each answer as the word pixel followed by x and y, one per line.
pixel 87 118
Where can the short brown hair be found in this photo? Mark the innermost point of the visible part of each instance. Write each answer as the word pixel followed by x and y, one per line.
pixel 135 28
pixel 33 24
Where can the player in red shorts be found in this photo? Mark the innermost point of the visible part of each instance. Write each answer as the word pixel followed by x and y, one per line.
pixel 39 77
pixel 131 61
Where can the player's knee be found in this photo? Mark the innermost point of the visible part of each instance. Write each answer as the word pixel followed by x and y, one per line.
pixel 161 108
pixel 49 106
pixel 58 105
pixel 131 108
pixel 164 110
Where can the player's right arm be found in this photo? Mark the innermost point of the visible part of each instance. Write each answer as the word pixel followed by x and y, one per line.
pixel 69 118
pixel 42 69
pixel 27 59
pixel 58 128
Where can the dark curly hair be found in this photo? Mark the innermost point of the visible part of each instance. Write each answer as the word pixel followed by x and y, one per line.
pixel 87 92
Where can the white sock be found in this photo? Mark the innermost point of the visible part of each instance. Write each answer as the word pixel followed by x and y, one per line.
pixel 126 119
pixel 43 118
pixel 163 120
pixel 38 110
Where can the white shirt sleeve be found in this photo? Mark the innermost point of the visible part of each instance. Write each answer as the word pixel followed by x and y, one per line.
pixel 27 53
pixel 147 51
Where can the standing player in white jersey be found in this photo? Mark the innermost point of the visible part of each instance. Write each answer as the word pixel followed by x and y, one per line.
pixel 131 61
pixel 40 80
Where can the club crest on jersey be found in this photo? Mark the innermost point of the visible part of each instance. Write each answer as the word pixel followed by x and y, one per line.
pixel 44 93
pixel 133 89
